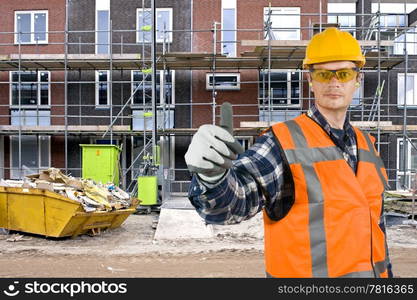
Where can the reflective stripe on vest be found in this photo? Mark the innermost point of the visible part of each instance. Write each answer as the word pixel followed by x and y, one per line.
pixel 363 274
pixel 304 159
pixel 370 156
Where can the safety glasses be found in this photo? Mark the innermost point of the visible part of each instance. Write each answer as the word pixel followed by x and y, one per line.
pixel 343 75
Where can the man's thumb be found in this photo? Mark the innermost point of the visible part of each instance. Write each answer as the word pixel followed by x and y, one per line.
pixel 226 122
pixel 226 117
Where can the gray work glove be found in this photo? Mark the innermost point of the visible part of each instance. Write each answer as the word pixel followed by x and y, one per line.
pixel 213 148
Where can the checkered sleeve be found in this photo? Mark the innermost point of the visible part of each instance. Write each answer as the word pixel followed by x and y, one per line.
pixel 256 177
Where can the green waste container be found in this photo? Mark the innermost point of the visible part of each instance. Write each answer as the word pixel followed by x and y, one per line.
pixel 148 190
pixel 100 163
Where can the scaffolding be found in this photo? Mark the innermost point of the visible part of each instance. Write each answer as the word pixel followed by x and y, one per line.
pixel 264 54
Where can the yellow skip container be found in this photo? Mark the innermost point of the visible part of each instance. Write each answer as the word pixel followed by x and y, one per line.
pixel 50 214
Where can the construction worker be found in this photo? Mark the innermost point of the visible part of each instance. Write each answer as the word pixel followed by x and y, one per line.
pixel 318 179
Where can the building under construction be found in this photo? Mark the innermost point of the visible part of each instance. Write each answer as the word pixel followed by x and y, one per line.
pixel 144 75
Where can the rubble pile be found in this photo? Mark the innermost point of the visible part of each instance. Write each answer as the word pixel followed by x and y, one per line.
pixel 400 202
pixel 93 196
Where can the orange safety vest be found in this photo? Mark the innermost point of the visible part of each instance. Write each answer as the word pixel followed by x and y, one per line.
pixel 332 229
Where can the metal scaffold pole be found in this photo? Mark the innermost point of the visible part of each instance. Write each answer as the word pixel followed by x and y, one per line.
pixel 405 167
pixel 110 33
pixel 66 89
pixel 143 83
pixel 214 92
pixel 20 107
pixel 154 104
pixel 379 91
pixel 270 35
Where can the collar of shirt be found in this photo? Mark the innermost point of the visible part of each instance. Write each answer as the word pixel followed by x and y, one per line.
pixel 315 114
pixel 346 141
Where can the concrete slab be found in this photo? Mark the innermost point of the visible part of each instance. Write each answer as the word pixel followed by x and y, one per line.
pixel 179 220
pixel 178 203
pixel 249 229
pixel 177 224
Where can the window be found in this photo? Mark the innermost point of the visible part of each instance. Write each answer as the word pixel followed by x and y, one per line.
pixel 223 81
pixel 410 161
pixel 143 83
pixel 358 95
pixel 142 99
pixel 285 22
pixel 137 145
pixel 30 117
pixel 393 20
pixel 35 155
pixel 277 115
pixel 102 26
pixel 34 88
pixel 99 141
pixel 285 88
pixel 164 119
pixel 167 156
pixel 338 13
pixel 411 43
pixel 163 24
pixel 245 141
pixel 102 88
pixel 411 89
pixel 31 27
pixel 393 17
pixel 393 14
pixel 285 95
pixel 229 27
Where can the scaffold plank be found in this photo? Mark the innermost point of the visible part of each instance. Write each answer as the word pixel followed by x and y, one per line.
pixel 304 43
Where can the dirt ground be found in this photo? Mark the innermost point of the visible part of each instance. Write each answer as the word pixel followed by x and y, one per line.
pixel 131 251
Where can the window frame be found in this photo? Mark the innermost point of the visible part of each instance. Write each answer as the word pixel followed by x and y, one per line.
pixel 32 27
pixel 361 90
pixel 289 83
pixel 158 9
pixel 161 89
pixel 96 86
pixel 171 153
pixel 209 87
pixel 94 140
pixel 344 9
pixel 229 5
pixel 39 167
pixel 411 42
pixel 97 32
pixel 414 105
pixel 38 91
pixel 247 139
pixel 285 10
pixel 408 172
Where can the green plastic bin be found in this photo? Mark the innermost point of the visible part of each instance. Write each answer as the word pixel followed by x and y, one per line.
pixel 148 190
pixel 100 163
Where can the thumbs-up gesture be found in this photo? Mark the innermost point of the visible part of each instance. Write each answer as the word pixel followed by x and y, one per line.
pixel 213 148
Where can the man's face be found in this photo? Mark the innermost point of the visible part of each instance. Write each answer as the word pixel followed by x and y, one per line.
pixel 334 95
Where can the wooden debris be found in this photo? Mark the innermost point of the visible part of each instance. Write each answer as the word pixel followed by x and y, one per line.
pixel 18 238
pixel 400 206
pixel 92 196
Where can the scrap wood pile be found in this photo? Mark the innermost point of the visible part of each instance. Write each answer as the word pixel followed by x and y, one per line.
pixel 92 196
pixel 400 202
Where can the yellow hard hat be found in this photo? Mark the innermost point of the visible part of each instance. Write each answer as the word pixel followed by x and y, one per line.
pixel 333 45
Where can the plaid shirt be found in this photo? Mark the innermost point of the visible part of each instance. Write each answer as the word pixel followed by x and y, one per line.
pixel 240 194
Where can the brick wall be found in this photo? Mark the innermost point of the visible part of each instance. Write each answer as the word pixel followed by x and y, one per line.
pixel 56 22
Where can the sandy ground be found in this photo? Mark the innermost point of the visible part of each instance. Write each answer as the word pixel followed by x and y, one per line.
pixel 131 251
